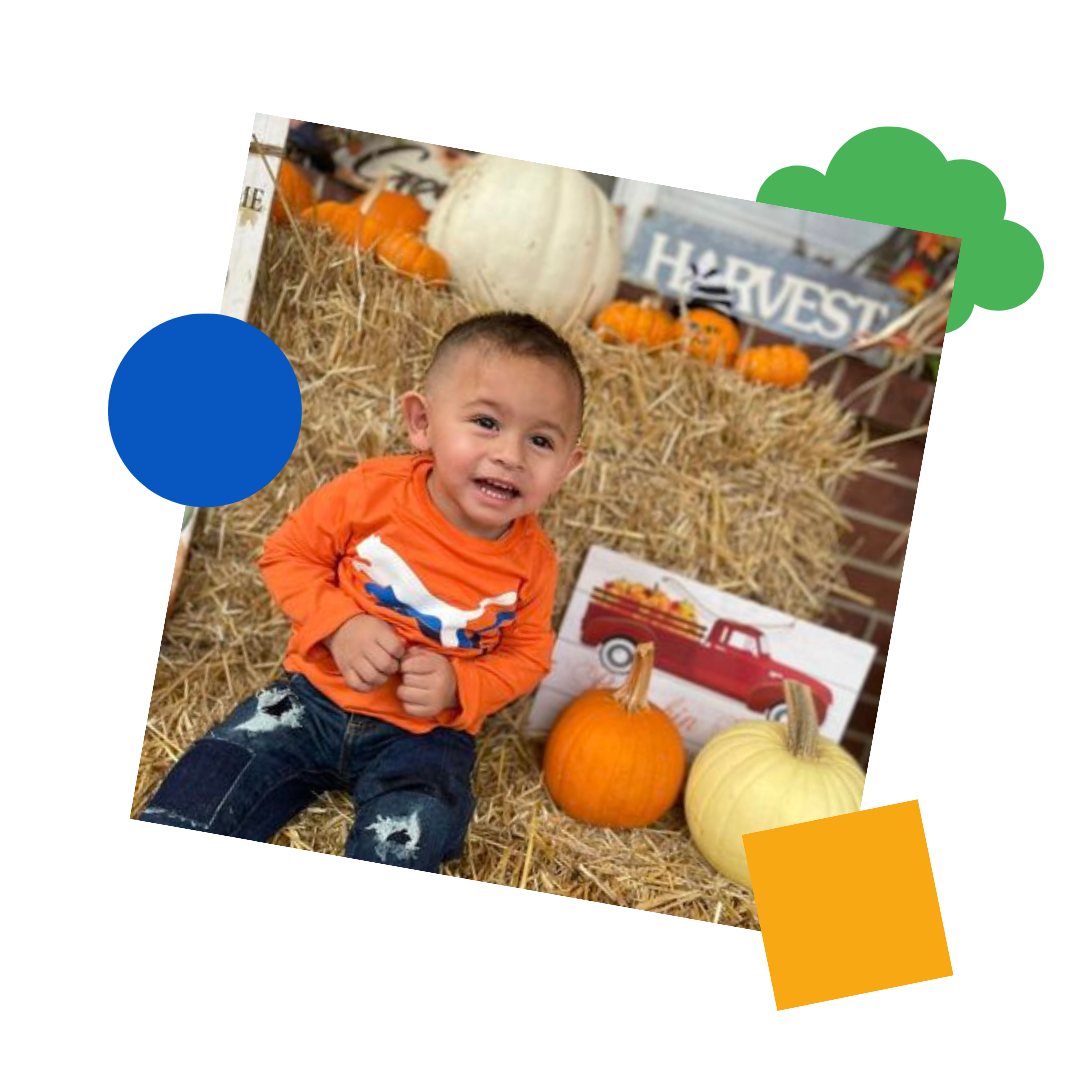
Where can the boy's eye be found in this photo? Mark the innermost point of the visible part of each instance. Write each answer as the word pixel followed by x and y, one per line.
pixel 543 442
pixel 489 423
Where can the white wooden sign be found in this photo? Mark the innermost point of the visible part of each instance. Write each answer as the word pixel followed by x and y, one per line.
pixel 719 658
pixel 422 170
pixel 253 214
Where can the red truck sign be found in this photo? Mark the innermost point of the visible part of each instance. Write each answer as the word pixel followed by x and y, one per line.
pixel 731 658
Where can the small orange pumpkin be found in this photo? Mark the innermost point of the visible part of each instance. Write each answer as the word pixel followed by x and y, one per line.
pixel 373 231
pixel 913 277
pixel 292 189
pixel 395 211
pixel 709 336
pixel 646 324
pixel 343 219
pixel 613 759
pixel 408 253
pixel 781 365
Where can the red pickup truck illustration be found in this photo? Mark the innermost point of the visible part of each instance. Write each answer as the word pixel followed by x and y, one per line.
pixel 731 658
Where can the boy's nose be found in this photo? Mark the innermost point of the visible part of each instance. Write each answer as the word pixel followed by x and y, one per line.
pixel 508 453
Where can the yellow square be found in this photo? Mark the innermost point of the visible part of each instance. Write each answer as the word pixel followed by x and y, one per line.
pixel 847 905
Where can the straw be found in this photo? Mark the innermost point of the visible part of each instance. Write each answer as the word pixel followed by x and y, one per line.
pixel 690 467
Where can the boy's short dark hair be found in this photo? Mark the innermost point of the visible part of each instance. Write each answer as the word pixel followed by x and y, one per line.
pixel 518 334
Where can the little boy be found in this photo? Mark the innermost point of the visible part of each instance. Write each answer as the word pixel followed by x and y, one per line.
pixel 420 591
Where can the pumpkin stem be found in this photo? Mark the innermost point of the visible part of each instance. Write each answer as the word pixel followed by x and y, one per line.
pixel 802 725
pixel 633 695
pixel 366 202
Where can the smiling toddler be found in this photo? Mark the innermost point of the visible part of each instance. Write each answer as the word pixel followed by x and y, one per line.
pixel 420 590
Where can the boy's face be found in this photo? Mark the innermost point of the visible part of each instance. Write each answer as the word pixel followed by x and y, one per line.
pixel 503 432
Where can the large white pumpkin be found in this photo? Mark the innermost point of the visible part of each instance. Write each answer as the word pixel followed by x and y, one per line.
pixel 761 775
pixel 528 237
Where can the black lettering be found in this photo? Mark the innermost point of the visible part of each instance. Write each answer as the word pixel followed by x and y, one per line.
pixel 372 156
pixel 253 198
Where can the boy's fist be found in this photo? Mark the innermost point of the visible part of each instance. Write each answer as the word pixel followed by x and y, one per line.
pixel 428 683
pixel 367 652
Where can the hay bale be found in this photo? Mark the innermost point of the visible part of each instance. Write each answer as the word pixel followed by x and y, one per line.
pixel 690 467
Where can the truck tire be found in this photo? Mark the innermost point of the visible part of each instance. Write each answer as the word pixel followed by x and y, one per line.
pixel 777 711
pixel 617 654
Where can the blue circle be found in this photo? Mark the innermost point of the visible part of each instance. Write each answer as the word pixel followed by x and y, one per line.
pixel 204 410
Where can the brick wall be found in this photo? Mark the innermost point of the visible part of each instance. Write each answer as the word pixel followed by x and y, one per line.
pixel 879 507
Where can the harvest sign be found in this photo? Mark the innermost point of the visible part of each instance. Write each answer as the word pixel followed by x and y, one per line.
pixel 796 297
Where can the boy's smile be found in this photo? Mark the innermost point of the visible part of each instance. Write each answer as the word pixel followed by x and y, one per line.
pixel 503 432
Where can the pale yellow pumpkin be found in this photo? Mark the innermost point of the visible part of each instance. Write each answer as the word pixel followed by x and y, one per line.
pixel 762 775
pixel 528 237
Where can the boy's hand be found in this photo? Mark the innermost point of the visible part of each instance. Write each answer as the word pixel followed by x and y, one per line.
pixel 367 652
pixel 428 683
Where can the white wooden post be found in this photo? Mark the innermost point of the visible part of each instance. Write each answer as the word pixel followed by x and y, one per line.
pixel 636 199
pixel 256 196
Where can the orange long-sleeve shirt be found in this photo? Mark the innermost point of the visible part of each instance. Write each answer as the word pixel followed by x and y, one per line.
pixel 372 542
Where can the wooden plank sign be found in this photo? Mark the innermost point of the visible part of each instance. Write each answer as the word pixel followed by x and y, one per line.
pixel 256 196
pixel 796 297
pixel 719 658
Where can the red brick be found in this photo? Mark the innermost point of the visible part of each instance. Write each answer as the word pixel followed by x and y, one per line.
pixel 880 496
pixel 923 416
pixel 863 717
pixel 906 457
pixel 763 336
pixel 874 679
pixel 856 374
pixel 902 403
pixel 853 623
pixel 884 590
pixel 823 376
pixel 881 635
pixel 876 544
pixel 858 746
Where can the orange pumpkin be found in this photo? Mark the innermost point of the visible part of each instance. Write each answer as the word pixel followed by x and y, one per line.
pixel 372 231
pixel 709 336
pixel 613 759
pixel 395 211
pixel 408 253
pixel 292 189
pixel 343 219
pixel 781 365
pixel 913 277
pixel 644 324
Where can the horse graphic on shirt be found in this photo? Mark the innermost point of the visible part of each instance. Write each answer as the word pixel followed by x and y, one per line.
pixel 394 585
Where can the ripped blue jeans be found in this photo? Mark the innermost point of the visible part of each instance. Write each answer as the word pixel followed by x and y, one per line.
pixel 280 748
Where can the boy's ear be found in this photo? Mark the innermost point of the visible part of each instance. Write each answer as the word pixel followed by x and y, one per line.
pixel 576 460
pixel 414 408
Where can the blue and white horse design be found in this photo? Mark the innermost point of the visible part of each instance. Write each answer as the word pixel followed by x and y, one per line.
pixel 395 586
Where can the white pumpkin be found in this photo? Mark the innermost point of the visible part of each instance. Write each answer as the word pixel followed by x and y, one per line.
pixel 761 775
pixel 528 237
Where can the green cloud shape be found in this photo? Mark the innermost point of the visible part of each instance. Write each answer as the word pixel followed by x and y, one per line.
pixel 898 177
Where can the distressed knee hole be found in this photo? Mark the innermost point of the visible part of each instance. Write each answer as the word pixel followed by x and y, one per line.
pixel 396 837
pixel 275 708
